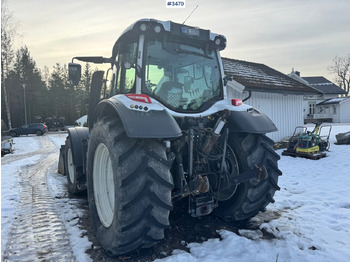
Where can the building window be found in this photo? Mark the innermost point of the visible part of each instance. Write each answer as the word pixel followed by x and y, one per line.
pixel 334 110
pixel 312 108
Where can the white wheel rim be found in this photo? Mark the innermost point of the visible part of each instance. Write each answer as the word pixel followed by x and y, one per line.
pixel 70 166
pixel 103 185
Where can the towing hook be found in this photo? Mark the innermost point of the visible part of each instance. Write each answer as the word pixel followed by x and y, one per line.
pixel 203 185
pixel 261 172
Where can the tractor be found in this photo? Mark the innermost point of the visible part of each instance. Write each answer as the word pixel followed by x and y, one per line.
pixel 161 128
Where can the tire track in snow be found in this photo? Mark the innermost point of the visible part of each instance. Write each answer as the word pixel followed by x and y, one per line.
pixel 38 233
pixel 46 146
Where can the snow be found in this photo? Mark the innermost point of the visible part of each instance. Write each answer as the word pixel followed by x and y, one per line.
pixel 25 146
pixel 10 191
pixel 309 221
pixel 334 100
pixel 255 73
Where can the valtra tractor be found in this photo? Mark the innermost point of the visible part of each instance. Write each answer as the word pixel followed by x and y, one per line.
pixel 164 130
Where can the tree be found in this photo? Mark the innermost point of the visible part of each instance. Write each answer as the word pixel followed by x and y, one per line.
pixel 341 68
pixel 82 91
pixel 57 90
pixel 62 95
pixel 8 32
pixel 27 91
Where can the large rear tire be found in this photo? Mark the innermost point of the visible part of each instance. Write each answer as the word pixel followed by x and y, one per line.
pixel 252 196
pixel 129 188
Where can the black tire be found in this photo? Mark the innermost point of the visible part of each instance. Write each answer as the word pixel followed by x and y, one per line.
pixel 75 177
pixel 141 186
pixel 39 133
pixel 252 196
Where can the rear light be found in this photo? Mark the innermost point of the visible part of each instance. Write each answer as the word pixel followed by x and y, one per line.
pixel 45 126
pixel 236 102
pixel 139 98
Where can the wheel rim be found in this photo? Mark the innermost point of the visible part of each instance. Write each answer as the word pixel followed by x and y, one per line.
pixel 103 185
pixel 224 192
pixel 70 165
pixel 233 170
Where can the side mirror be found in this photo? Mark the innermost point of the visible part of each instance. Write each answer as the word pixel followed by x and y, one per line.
pixel 227 78
pixel 74 73
pixel 128 65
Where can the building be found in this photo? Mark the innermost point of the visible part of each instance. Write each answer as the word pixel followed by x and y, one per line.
pixel 338 109
pixel 271 92
pixel 327 90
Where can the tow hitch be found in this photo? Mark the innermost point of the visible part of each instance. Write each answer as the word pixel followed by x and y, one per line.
pixel 257 172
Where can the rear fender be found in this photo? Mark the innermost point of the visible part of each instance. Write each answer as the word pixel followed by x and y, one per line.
pixel 77 136
pixel 62 160
pixel 139 123
pixel 250 121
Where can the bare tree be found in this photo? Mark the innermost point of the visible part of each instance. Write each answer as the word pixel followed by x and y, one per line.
pixel 341 68
pixel 8 31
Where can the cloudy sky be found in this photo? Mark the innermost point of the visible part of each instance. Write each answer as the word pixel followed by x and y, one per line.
pixel 302 34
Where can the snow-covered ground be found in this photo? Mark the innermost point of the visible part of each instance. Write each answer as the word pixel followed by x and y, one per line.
pixel 310 220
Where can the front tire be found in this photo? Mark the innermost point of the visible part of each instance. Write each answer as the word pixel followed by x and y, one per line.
pixel 129 188
pixel 251 196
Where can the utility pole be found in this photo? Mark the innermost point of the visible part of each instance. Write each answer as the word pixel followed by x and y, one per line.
pixel 25 104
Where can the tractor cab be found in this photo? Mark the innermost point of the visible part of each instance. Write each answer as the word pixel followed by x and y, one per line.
pixel 177 65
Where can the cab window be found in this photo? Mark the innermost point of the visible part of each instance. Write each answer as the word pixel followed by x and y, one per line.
pixel 127 59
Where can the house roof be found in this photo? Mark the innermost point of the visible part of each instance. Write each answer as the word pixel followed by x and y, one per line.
pixel 261 78
pixel 334 101
pixel 324 85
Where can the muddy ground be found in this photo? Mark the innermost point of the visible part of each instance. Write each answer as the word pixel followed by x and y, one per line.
pixel 183 229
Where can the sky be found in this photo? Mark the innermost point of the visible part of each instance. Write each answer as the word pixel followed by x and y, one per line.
pixel 302 34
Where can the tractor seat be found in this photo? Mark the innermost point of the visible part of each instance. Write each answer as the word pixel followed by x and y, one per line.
pixel 171 92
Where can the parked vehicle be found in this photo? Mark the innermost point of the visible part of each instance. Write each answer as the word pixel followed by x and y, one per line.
pixel 6 145
pixel 165 130
pixel 33 128
pixel 343 138
pixel 55 123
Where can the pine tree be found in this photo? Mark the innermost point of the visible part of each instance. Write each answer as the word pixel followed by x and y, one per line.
pixel 27 91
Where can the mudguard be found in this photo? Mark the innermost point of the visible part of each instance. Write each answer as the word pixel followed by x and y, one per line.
pixel 61 160
pixel 251 121
pixel 139 124
pixel 77 135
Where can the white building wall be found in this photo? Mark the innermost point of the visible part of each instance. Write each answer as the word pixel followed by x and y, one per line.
pixel 286 111
pixel 344 112
pixel 315 99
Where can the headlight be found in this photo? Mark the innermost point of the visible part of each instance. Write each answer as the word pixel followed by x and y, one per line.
pixel 143 27
pixel 157 29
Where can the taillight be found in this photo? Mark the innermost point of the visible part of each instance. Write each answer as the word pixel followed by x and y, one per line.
pixel 45 127
pixel 139 98
pixel 236 102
